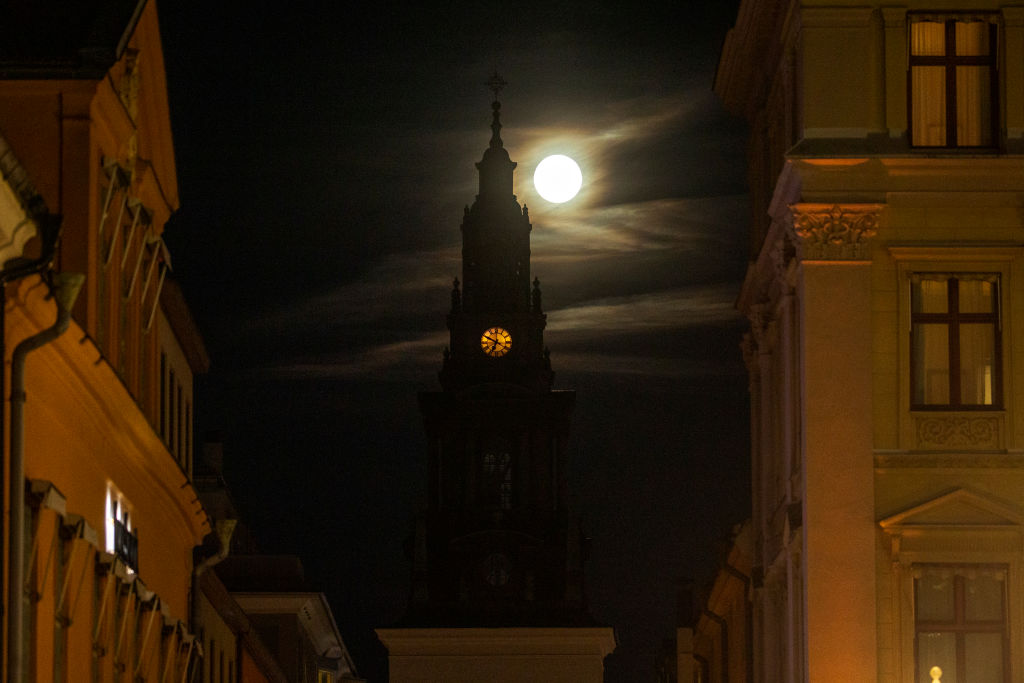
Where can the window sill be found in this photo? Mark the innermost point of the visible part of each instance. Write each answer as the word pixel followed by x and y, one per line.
pixel 953 410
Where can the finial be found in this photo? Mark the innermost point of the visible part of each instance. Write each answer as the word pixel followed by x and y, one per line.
pixel 496 84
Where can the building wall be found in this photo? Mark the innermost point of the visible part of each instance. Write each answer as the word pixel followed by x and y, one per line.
pixel 220 644
pixel 93 452
pixel 858 491
pixel 502 655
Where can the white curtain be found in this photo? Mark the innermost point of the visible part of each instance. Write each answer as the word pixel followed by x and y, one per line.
pixel 973 83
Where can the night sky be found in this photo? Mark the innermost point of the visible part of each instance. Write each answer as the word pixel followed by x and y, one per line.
pixel 325 153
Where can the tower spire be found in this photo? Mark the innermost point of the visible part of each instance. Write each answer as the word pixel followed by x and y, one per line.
pixel 496 84
pixel 496 168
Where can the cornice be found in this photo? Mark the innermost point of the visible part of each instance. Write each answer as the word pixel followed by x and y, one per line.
pixel 836 17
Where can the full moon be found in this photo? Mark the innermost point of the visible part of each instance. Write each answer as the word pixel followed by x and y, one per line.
pixel 557 178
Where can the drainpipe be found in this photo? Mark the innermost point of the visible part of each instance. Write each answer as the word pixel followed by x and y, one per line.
pixel 224 529
pixel 65 290
pixel 48 227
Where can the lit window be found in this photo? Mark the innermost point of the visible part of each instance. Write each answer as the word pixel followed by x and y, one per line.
pixel 324 677
pixel 120 537
pixel 960 623
pixel 953 84
pixel 956 344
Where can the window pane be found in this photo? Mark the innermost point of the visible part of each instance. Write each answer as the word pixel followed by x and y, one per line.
pixel 936 649
pixel 973 106
pixel 935 596
pixel 928 38
pixel 984 596
pixel 983 657
pixel 976 296
pixel 929 106
pixel 929 296
pixel 931 364
pixel 972 38
pixel 977 353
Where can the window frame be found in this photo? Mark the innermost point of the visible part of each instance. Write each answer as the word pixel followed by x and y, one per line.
pixel 950 61
pixel 893 341
pixel 960 625
pixel 952 319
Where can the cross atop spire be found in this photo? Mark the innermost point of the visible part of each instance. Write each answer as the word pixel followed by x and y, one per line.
pixel 496 84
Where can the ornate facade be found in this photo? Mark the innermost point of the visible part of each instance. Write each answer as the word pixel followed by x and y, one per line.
pixel 885 295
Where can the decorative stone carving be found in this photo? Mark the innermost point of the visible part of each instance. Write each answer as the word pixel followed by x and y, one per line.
pixel 128 92
pixel 836 232
pixel 958 432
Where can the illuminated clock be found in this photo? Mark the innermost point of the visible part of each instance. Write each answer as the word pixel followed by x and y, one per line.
pixel 496 342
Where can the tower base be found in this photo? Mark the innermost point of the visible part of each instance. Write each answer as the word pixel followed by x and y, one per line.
pixel 497 655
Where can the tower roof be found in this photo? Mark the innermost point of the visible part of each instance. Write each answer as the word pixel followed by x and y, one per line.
pixel 496 167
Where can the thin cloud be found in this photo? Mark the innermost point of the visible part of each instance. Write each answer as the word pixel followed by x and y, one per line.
pixel 412 359
pixel 379 362
pixel 641 366
pixel 688 224
pixel 648 313
pixel 382 293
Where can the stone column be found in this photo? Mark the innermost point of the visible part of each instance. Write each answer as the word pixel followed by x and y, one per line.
pixel 834 292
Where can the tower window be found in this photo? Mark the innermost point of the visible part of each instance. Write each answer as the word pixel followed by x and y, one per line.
pixel 953 84
pixel 497 475
pixel 955 350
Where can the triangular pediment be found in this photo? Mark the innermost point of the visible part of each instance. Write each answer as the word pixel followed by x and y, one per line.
pixel 957 508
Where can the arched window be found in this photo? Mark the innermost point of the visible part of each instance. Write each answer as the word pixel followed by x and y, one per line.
pixel 496 473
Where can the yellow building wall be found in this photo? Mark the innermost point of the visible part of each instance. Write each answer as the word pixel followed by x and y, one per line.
pixel 220 646
pixel 90 426
pixel 880 488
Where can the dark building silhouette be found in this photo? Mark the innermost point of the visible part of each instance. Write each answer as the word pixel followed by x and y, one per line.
pixel 497 545
pixel 497 558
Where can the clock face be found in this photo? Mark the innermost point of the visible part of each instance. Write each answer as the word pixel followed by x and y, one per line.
pixel 496 342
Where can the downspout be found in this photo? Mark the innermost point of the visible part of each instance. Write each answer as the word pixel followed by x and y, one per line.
pixel 48 229
pixel 65 291
pixel 224 529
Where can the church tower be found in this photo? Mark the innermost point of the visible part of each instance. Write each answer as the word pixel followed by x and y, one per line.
pixel 497 581
pixel 497 546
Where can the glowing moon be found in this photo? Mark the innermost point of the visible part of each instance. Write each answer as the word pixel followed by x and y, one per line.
pixel 557 178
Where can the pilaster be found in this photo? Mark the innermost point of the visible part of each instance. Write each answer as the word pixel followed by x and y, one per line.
pixel 834 291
